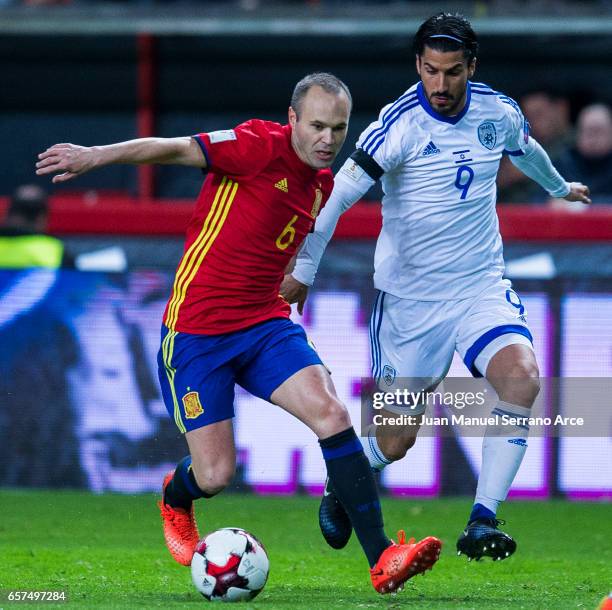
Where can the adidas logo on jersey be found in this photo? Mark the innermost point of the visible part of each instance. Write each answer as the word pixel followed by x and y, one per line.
pixel 282 185
pixel 430 149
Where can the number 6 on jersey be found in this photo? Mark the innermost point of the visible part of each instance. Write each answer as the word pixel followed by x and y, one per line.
pixel 285 239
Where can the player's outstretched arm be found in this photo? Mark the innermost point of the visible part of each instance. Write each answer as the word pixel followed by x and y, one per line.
pixel 67 161
pixel 536 164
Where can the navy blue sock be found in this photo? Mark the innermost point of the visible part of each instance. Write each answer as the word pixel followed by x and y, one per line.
pixel 183 489
pixel 353 483
pixel 480 512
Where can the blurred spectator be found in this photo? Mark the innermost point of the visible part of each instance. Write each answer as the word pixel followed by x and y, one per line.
pixel 23 242
pixel 39 348
pixel 590 160
pixel 548 113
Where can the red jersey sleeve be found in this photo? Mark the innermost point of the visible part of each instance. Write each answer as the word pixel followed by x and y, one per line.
pixel 242 151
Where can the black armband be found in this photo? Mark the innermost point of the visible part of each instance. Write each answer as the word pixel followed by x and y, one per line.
pixel 367 163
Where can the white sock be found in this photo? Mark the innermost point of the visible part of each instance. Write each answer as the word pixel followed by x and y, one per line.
pixel 373 452
pixel 503 448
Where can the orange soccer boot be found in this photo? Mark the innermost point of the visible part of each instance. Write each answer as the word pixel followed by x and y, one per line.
pixel 180 528
pixel 402 561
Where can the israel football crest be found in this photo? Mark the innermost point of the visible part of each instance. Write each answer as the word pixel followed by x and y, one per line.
pixel 192 404
pixel 487 135
pixel 388 374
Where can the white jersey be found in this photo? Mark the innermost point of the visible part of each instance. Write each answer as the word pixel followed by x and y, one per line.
pixel 440 237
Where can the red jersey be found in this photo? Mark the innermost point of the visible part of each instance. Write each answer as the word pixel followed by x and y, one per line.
pixel 258 202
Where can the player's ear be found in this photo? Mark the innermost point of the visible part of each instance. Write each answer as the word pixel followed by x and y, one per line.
pixel 292 117
pixel 472 68
pixel 418 64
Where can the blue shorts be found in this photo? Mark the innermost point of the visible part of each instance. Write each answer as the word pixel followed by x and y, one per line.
pixel 197 373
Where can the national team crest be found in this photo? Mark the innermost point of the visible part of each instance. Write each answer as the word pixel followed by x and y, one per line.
pixel 487 135
pixel 192 404
pixel 317 203
pixel 388 374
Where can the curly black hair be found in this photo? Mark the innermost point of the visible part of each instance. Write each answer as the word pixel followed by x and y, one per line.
pixel 447 32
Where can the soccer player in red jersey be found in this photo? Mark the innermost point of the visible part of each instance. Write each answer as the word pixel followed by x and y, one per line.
pixel 225 322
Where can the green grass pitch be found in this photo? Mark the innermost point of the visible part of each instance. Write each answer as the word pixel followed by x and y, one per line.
pixel 107 551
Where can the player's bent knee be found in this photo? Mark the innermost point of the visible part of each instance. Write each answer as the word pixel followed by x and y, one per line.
pixel 213 478
pixel 522 383
pixel 333 417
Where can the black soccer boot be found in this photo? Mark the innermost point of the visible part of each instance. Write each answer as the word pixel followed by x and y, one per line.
pixel 333 520
pixel 481 538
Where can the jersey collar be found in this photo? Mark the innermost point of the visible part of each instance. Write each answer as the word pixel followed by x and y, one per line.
pixel 440 117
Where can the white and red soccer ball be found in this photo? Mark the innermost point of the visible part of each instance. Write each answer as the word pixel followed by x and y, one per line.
pixel 229 565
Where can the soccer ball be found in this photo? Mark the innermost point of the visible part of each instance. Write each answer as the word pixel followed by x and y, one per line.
pixel 229 565
pixel 606 603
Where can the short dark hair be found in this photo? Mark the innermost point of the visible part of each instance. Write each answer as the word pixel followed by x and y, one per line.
pixel 328 82
pixel 29 201
pixel 447 32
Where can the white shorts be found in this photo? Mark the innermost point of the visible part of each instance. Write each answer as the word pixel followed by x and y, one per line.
pixel 413 342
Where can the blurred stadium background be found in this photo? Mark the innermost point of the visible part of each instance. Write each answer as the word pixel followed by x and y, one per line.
pixel 79 401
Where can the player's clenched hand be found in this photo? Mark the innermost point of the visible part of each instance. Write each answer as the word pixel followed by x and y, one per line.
pixel 67 161
pixel 294 292
pixel 578 192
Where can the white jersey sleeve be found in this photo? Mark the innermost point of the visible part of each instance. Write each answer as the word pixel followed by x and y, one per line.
pixel 517 127
pixel 536 164
pixel 390 139
pixel 527 155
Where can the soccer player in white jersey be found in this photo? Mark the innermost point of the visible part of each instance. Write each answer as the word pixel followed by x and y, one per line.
pixel 438 262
